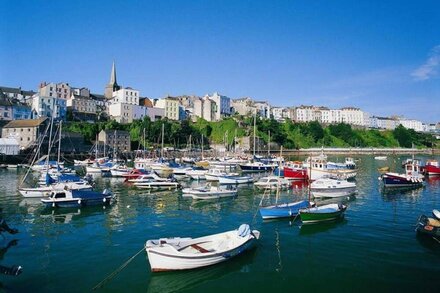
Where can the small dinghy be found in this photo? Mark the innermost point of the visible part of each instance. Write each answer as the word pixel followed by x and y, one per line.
pixel 77 198
pixel 209 192
pixel 167 254
pixel 328 212
pixel 429 226
pixel 328 187
pixel 381 158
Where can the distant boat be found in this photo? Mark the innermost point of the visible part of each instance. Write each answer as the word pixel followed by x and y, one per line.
pixel 383 169
pixel 233 179
pixel 381 158
pixel 328 212
pixel 431 167
pixel 257 167
pixel 328 187
pixel 295 171
pixel 272 182
pixel 168 254
pixel 209 192
pixel 284 210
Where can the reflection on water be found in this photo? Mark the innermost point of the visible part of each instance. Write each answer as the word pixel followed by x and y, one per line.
pixel 376 239
pixel 184 280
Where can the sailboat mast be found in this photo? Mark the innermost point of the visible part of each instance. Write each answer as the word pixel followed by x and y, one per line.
pixel 114 146
pixel 161 151
pixel 202 147
pixel 255 117
pixel 49 145
pixel 96 147
pixel 59 142
pixel 268 146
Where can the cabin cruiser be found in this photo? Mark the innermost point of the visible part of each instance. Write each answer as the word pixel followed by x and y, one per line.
pixel 77 198
pixel 272 182
pixel 328 187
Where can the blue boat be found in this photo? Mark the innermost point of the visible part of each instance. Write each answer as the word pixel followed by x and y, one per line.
pixel 285 210
pixel 77 198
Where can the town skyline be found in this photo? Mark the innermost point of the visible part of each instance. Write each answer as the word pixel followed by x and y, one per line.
pixel 288 54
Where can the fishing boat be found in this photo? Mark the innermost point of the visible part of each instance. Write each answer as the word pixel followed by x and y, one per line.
pixel 209 192
pixel 167 254
pixel 328 187
pixel 234 179
pixel 77 198
pixel 318 166
pixel 429 226
pixel 324 213
pixel 256 167
pixel 381 158
pixel 272 182
pixel 348 164
pixel 411 178
pixel 295 171
pixel 431 168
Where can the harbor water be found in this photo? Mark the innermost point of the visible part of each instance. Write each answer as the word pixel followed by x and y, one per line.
pixel 373 249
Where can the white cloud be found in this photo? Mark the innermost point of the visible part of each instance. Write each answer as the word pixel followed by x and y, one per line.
pixel 429 69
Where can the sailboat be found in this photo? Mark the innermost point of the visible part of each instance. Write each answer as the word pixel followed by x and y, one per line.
pixel 285 210
pixel 324 213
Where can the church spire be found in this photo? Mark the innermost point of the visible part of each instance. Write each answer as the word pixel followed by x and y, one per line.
pixel 113 84
pixel 113 81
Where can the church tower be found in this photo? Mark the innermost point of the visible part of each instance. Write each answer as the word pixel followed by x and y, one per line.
pixel 112 85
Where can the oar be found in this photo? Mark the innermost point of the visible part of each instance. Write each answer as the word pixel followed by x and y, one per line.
pixel 117 271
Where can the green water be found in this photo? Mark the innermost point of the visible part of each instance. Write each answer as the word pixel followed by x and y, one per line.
pixel 373 249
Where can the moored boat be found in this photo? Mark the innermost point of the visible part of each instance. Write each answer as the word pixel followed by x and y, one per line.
pixel 77 198
pixel 209 192
pixel 429 226
pixel 167 254
pixel 431 168
pixel 328 212
pixel 272 182
pixel 295 171
pixel 411 178
pixel 328 187
pixel 233 179
pixel 284 210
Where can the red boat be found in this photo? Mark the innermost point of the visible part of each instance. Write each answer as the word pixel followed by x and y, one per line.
pixel 432 168
pixel 295 171
pixel 135 173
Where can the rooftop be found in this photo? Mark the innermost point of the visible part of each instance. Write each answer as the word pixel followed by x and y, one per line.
pixel 25 123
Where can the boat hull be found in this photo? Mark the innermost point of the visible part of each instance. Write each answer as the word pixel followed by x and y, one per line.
pixel 400 181
pixel 331 193
pixel 432 170
pixel 235 180
pixel 309 217
pixel 283 210
pixel 76 202
pixel 295 174
pixel 246 168
pixel 160 261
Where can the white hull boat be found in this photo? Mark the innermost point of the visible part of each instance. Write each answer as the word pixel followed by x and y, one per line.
pixel 327 187
pixel 209 192
pixel 197 174
pixel 235 179
pixel 45 191
pixel 164 185
pixel 167 254
pixel 272 182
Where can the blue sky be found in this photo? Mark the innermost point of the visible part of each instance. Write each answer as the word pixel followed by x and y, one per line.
pixel 382 56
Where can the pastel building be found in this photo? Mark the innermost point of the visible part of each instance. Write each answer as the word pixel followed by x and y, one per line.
pixel 223 106
pixel 49 106
pixel 170 106
pixel 60 90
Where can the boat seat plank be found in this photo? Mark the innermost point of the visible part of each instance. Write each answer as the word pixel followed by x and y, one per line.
pixel 433 222
pixel 199 248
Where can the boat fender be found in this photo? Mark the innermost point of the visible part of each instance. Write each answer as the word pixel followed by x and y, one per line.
pixel 244 230
pixel 53 205
pixel 436 214
pixel 104 200
pixel 79 201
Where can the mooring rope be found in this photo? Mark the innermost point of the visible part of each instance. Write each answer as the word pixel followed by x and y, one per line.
pixel 115 272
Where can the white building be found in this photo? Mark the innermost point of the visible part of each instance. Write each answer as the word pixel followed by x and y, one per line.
pixel 155 113
pixel 17 94
pixel 170 106
pixel 277 113
pixel 352 116
pixel 82 104
pixel 59 90
pixel 411 124
pixel 263 109
pixel 122 113
pixel 126 96
pixel 382 123
pixel 223 106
